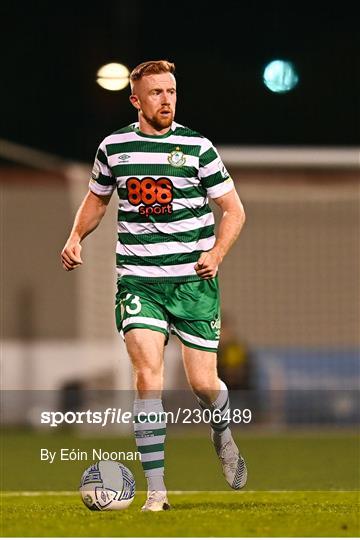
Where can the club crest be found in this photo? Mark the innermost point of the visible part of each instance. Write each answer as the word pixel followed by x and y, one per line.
pixel 176 158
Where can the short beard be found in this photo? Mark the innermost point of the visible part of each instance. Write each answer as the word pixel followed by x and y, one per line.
pixel 159 123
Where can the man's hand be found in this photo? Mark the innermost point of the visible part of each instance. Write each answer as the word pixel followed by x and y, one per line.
pixel 208 263
pixel 88 217
pixel 70 255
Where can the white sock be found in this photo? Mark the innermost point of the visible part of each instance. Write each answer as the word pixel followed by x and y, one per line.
pixel 156 483
pixel 150 438
pixel 221 436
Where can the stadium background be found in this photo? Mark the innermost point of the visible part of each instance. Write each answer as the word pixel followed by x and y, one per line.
pixel 290 285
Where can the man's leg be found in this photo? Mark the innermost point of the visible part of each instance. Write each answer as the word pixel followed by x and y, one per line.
pixel 146 350
pixel 212 393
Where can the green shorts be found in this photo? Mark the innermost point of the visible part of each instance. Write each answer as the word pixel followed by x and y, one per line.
pixel 190 310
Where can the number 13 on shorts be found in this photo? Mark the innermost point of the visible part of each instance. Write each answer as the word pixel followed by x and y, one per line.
pixel 131 304
pixel 138 311
pixel 127 307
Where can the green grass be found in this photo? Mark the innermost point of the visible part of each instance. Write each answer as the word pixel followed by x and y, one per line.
pixel 312 461
pixel 319 472
pixel 193 514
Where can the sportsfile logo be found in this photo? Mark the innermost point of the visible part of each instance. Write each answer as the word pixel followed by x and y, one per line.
pixel 150 195
pixel 112 415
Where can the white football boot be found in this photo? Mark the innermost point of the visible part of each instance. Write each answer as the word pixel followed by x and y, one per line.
pixel 156 502
pixel 233 464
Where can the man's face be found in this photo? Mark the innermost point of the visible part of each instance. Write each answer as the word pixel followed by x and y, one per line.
pixel 155 97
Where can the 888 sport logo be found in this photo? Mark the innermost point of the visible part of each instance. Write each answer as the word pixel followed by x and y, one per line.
pixel 152 196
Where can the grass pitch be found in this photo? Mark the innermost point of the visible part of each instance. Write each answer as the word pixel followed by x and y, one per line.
pixel 300 484
pixel 288 461
pixel 193 514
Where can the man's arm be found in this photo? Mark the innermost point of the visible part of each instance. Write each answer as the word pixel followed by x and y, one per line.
pixel 88 217
pixel 232 221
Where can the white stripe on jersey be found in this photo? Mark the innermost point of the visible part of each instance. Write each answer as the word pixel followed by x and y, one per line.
pixel 104 169
pixel 169 271
pixel 165 248
pixel 171 227
pixel 101 190
pixel 148 158
pixel 177 181
pixel 209 169
pixel 177 204
pixel 221 189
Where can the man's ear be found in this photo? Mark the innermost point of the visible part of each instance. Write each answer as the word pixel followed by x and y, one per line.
pixel 134 100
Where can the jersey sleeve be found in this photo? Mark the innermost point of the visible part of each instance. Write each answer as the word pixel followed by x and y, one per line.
pixel 102 181
pixel 212 172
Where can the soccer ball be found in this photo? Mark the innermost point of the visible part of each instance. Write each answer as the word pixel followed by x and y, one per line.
pixel 107 485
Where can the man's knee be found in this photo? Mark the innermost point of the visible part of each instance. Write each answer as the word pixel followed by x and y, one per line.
pixel 204 385
pixel 149 371
pixel 146 350
pixel 149 378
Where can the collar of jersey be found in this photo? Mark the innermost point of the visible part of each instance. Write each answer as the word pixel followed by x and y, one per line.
pixel 141 134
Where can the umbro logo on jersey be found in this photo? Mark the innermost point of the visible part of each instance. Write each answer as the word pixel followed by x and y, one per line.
pixel 124 158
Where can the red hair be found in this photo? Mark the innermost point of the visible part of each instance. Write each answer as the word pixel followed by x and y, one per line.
pixel 152 67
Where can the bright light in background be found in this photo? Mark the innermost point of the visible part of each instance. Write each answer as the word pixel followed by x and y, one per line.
pixel 280 76
pixel 113 76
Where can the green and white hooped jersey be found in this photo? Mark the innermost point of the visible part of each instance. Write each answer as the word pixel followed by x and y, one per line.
pixel 163 183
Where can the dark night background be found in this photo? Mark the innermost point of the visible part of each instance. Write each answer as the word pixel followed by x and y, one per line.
pixel 51 52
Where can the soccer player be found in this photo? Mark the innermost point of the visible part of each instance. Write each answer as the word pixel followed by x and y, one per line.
pixel 167 260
